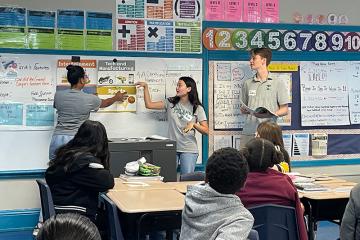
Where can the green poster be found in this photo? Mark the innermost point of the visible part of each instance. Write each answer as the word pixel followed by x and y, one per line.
pixel 70 39
pixel 12 37
pixel 41 38
pixel 98 40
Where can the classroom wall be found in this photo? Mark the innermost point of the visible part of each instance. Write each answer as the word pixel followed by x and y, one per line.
pixel 23 194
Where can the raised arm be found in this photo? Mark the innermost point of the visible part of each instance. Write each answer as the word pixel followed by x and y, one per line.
pixel 119 96
pixel 148 103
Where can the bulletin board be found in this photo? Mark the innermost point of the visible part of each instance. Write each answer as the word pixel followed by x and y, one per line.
pixel 328 70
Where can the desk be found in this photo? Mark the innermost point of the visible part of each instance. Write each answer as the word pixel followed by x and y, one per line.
pixel 149 210
pixel 329 205
pixel 121 185
pixel 138 201
pixel 182 186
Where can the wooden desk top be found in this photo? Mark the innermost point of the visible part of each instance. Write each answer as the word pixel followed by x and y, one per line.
pixel 138 201
pixel 121 185
pixel 182 186
pixel 338 190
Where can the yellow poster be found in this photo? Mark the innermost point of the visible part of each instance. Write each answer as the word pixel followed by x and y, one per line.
pixel 129 105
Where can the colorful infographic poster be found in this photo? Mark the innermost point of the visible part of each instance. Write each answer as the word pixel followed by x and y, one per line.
pixel 159 9
pixel 130 8
pixel 12 27
pixel 130 35
pixel 70 33
pixel 41 29
pixel 98 31
pixel 187 10
pixel 188 37
pixel 116 72
pixel 89 66
pixel 129 105
pixel 252 11
pixel 160 36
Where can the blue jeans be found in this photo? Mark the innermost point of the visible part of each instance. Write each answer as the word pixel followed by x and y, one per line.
pixel 56 142
pixel 187 161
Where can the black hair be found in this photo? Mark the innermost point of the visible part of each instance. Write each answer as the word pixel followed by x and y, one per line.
pixel 226 170
pixel 90 140
pixel 68 226
pixel 74 74
pixel 261 154
pixel 193 94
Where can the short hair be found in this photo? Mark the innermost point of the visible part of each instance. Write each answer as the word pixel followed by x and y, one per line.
pixel 68 226
pixel 226 170
pixel 271 131
pixel 262 52
pixel 261 154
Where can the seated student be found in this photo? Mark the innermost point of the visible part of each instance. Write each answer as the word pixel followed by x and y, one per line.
pixel 212 211
pixel 350 227
pixel 271 131
pixel 80 171
pixel 265 185
pixel 68 226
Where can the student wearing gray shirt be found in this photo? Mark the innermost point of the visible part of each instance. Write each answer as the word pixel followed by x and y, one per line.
pixel 74 106
pixel 262 91
pixel 185 115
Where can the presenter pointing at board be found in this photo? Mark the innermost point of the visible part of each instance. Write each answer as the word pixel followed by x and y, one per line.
pixel 262 91
pixel 74 106
pixel 186 115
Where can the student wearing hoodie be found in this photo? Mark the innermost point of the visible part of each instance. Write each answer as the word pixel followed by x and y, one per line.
pixel 80 171
pixel 212 210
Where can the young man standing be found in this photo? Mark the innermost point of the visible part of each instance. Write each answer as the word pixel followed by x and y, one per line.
pixel 262 91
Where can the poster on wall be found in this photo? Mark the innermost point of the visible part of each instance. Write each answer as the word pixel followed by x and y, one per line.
pixel 130 9
pixel 159 9
pixel 98 31
pixel 70 30
pixel 129 105
pixel 130 35
pixel 324 94
pixel 228 79
pixel 27 89
pixel 89 66
pixel 41 29
pixel 12 27
pixel 252 11
pixel 188 10
pixel 354 91
pixel 187 37
pixel 159 36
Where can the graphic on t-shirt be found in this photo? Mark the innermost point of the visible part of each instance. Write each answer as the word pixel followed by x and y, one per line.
pixel 182 114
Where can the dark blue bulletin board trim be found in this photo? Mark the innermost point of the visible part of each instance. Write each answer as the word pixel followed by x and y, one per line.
pixel 337 143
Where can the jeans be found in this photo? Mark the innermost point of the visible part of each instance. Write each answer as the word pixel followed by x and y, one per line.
pixel 56 142
pixel 187 161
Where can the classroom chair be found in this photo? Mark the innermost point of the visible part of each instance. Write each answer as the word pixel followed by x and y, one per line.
pixel 113 218
pixel 194 176
pixel 274 220
pixel 253 235
pixel 47 204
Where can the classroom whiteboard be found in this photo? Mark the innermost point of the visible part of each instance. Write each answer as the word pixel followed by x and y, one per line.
pixel 26 148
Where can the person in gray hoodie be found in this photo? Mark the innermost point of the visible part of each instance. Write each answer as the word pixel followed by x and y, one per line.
pixel 350 224
pixel 212 210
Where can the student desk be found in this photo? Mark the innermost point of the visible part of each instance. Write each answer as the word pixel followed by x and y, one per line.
pixel 329 205
pixel 121 185
pixel 149 210
pixel 182 186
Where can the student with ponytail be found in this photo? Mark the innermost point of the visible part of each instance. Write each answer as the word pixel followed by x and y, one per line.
pixel 74 106
pixel 265 185
pixel 271 131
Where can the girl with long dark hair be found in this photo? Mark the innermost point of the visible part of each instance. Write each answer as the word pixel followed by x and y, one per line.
pixel 186 115
pixel 80 171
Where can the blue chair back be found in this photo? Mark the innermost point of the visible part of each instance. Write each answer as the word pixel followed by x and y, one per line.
pixel 47 204
pixel 194 176
pixel 275 221
pixel 253 235
pixel 113 218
